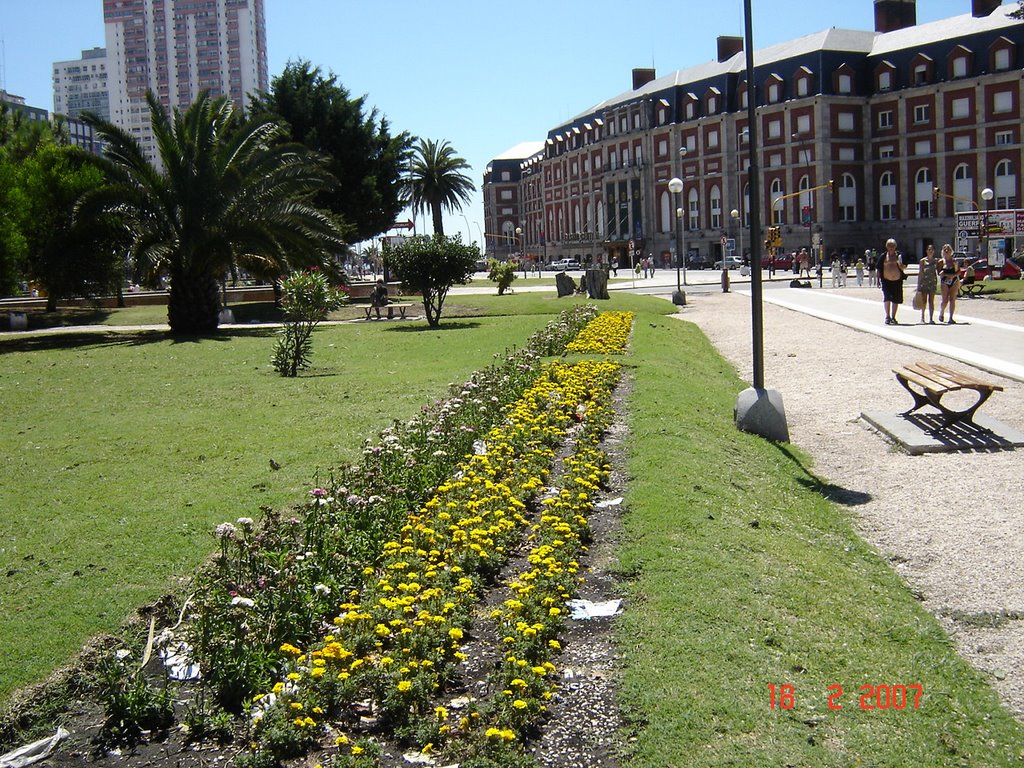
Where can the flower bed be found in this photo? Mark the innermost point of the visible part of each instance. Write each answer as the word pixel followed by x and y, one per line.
pixel 397 644
pixel 606 334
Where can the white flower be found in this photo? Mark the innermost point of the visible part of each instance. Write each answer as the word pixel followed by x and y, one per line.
pixel 225 531
pixel 245 522
pixel 122 654
pixel 242 602
pixel 322 589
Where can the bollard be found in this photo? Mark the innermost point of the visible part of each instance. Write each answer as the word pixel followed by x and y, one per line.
pixel 725 280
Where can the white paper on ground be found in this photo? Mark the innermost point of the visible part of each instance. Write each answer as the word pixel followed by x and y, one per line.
pixel 585 609
pixel 177 658
pixel 608 503
pixel 34 752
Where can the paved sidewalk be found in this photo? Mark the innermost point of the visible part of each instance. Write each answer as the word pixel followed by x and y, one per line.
pixel 991 345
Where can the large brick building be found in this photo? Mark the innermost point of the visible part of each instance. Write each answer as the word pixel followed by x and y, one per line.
pixel 887 115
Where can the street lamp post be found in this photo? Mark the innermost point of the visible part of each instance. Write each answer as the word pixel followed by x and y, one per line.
pixel 522 248
pixel 986 194
pixel 675 186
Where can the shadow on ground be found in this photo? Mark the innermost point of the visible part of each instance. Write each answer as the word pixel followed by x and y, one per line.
pixel 837 493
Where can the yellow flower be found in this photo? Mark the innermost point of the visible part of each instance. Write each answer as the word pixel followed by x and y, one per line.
pixel 404 686
pixel 519 704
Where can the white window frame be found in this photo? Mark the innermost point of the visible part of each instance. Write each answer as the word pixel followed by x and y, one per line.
pixel 885 118
pixel 845 83
pixel 922 113
pixel 961 107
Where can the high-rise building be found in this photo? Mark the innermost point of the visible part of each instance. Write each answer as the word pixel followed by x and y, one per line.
pixel 80 85
pixel 863 135
pixel 177 49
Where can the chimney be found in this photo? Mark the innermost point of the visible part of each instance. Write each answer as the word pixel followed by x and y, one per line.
pixel 642 77
pixel 891 15
pixel 728 46
pixel 982 8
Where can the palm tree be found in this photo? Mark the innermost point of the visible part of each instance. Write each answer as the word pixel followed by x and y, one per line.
pixel 230 194
pixel 436 180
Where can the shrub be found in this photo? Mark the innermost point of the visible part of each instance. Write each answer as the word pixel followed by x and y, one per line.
pixel 502 273
pixel 308 299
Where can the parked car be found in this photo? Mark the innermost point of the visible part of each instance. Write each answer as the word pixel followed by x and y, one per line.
pixel 982 271
pixel 731 262
pixel 783 261
pixel 699 261
pixel 564 265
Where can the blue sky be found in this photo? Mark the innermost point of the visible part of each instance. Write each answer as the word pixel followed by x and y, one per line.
pixel 483 75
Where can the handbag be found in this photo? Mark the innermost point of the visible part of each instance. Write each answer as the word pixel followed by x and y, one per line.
pixel 919 300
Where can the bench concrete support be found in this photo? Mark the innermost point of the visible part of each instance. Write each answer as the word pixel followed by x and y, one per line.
pixel 761 412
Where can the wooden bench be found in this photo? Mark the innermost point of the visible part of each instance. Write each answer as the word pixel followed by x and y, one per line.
pixel 371 311
pixel 937 380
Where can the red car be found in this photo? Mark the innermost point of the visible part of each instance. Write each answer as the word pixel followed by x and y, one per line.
pixel 1009 271
pixel 783 261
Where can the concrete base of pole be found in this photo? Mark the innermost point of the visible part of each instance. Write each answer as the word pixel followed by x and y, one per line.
pixel 760 412
pixel 679 297
pixel 725 280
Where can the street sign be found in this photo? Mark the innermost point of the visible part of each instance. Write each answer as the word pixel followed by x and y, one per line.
pixel 730 244
pixel 407 224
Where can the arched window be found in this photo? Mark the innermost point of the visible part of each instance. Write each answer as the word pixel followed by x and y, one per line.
pixel 1006 185
pixel 716 207
pixel 600 219
pixel 561 225
pixel 577 223
pixel 923 194
pixel 693 216
pixel 666 211
pixel 508 236
pixel 776 193
pixel 804 185
pixel 745 213
pixel 847 197
pixel 887 196
pixel 963 188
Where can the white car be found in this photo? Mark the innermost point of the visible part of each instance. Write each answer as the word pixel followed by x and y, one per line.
pixel 731 262
pixel 564 265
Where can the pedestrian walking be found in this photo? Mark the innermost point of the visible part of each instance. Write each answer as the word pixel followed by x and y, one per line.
pixel 949 276
pixel 872 268
pixel 891 274
pixel 927 284
pixel 858 270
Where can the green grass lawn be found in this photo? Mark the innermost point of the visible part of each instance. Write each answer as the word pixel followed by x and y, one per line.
pixel 121 451
pixel 742 575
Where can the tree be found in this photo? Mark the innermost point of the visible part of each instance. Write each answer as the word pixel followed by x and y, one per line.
pixel 361 152
pixel 431 266
pixel 231 194
pixel 436 181
pixel 66 255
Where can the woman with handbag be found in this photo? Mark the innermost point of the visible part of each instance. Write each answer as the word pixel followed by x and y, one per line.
pixel 927 284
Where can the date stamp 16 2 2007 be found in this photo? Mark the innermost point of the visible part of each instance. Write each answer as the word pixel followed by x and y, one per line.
pixel 871 696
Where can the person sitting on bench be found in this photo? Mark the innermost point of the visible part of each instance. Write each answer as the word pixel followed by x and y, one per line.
pixel 379 297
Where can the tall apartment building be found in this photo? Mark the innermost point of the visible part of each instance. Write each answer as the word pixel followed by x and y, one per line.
pixel 179 48
pixel 888 116
pixel 80 85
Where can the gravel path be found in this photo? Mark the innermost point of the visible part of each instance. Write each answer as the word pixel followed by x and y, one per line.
pixel 950 524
